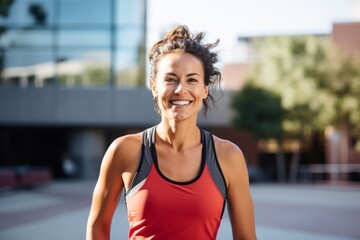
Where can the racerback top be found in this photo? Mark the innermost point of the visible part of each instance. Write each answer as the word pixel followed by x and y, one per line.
pixel 162 209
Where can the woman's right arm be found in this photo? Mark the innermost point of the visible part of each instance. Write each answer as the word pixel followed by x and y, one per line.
pixel 119 161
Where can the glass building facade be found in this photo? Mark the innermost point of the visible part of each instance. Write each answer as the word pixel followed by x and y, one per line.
pixel 72 43
pixel 68 71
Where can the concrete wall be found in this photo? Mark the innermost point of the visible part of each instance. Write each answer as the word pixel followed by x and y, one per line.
pixel 90 106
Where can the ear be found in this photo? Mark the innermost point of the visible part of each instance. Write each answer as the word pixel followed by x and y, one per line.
pixel 153 88
pixel 206 92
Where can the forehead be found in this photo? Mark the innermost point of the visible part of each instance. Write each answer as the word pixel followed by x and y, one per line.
pixel 180 61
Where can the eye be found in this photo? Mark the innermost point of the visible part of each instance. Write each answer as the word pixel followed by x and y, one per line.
pixel 170 80
pixel 192 80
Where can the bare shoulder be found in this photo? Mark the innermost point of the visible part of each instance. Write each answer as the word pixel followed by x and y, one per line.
pixel 126 149
pixel 126 142
pixel 231 159
pixel 227 151
pixel 120 161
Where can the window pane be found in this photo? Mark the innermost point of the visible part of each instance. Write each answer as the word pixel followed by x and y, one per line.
pixel 71 41
pixel 22 58
pixel 90 67
pixel 28 12
pixel 128 73
pixel 85 12
pixel 84 38
pixel 27 38
pixel 131 12
pixel 129 37
pixel 28 68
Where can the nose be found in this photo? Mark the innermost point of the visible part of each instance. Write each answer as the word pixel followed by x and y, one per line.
pixel 180 88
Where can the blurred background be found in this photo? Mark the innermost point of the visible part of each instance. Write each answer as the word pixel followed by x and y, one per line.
pixel 74 76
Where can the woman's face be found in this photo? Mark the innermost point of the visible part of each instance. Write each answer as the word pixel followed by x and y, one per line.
pixel 179 86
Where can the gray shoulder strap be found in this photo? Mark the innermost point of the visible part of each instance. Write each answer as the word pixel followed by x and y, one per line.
pixel 146 161
pixel 213 164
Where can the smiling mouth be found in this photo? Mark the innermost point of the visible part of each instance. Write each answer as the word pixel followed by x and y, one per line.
pixel 180 103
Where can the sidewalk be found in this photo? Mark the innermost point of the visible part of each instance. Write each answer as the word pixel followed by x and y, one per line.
pixel 59 210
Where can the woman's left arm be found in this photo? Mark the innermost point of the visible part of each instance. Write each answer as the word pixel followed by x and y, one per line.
pixel 240 204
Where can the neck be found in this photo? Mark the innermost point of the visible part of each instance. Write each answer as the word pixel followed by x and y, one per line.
pixel 179 135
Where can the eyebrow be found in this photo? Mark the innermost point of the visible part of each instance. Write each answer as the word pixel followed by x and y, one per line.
pixel 192 74
pixel 188 75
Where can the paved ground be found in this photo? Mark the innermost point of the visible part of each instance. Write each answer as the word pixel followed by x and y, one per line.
pixel 283 212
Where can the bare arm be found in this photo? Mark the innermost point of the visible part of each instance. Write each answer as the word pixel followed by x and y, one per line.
pixel 118 166
pixel 241 209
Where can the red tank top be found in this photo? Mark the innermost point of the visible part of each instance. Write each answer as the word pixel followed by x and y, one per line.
pixel 162 209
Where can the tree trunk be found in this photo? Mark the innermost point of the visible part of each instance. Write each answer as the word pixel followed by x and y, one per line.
pixel 280 163
pixel 295 159
pixel 344 149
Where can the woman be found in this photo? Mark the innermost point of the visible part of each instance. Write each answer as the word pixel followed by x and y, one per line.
pixel 176 176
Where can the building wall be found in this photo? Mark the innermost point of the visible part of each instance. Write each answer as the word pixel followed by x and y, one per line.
pixel 92 107
pixel 41 126
pixel 234 75
pixel 347 37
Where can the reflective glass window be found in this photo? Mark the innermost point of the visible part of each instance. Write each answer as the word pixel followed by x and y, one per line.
pixel 86 12
pixel 128 71
pixel 84 38
pixel 26 57
pixel 129 37
pixel 26 38
pixel 131 12
pixel 66 37
pixel 27 12
pixel 28 67
pixel 88 67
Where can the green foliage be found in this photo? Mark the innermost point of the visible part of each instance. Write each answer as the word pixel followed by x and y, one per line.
pixel 4 12
pixel 141 63
pixel 98 75
pixel 345 87
pixel 289 67
pixel 93 75
pixel 129 76
pixel 5 6
pixel 317 85
pixel 258 111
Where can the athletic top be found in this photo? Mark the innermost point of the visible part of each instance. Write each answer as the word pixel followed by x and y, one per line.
pixel 161 209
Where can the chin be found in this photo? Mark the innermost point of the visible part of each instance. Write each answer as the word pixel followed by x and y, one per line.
pixel 182 116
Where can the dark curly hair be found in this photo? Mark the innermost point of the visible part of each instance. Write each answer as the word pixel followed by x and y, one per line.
pixel 181 39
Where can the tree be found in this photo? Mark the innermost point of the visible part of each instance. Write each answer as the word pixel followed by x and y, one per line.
pixel 316 84
pixel 283 68
pixel 38 13
pixel 344 87
pixel 259 111
pixel 5 6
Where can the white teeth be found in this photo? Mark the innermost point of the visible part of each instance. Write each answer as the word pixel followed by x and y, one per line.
pixel 180 103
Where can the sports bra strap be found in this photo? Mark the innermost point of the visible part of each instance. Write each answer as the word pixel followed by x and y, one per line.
pixel 213 164
pixel 146 159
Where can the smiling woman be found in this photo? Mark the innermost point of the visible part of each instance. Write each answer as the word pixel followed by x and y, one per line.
pixel 177 177
pixel 179 87
pixel 180 40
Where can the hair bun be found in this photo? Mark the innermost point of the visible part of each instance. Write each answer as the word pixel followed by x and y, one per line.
pixel 179 32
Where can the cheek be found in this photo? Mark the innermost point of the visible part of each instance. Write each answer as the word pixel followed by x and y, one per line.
pixel 166 89
pixel 203 93
pixel 163 92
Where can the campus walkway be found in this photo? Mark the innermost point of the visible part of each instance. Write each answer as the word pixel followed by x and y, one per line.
pixel 59 211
